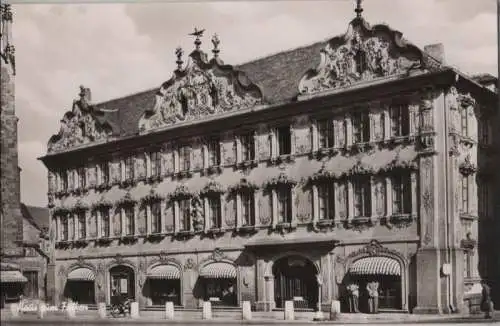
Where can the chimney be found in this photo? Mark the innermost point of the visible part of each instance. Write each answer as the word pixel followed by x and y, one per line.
pixel 436 51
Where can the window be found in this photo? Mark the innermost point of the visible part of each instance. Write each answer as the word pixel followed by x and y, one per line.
pixel 213 152
pixel 71 179
pixel 464 126
pixel 214 212
pixel 185 215
pixel 484 135
pixel 362 196
pixel 82 178
pixel 284 205
pixel 129 220
pixel 64 228
pixel 104 171
pixel 64 180
pixel 401 194
pixel 465 194
pixel 360 59
pixel 247 147
pixel 81 227
pixel 247 209
pixel 284 141
pixel 129 168
pixel 156 217
pixel 155 158
pixel 399 121
pixel 184 158
pixel 326 201
pixel 360 127
pixel 325 134
pixel 105 222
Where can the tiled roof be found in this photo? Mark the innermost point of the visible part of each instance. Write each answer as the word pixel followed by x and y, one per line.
pixel 39 216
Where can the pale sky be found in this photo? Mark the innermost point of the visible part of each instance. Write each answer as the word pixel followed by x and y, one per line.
pixel 119 49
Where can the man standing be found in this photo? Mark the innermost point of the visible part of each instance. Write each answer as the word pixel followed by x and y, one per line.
pixel 353 290
pixel 486 302
pixel 372 289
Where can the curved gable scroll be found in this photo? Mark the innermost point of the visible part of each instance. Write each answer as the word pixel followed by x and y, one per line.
pixel 201 89
pixel 364 53
pixel 80 125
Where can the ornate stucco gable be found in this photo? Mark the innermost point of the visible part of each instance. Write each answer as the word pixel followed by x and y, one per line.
pixel 364 53
pixel 80 125
pixel 201 89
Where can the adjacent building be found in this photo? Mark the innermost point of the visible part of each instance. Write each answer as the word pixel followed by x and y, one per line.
pixel 24 228
pixel 360 158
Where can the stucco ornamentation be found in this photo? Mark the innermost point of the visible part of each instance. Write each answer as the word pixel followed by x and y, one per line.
pixel 363 53
pixel 80 125
pixel 202 88
pixel 189 264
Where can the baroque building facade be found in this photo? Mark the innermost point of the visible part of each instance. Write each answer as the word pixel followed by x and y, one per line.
pixel 360 158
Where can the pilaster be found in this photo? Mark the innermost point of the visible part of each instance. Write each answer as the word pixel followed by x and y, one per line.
pixel 315 203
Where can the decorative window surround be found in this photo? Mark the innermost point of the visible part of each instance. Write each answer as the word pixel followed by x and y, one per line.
pixel 249 189
pixel 318 151
pixel 182 165
pixel 283 182
pixel 276 157
pixel 242 163
pixel 208 166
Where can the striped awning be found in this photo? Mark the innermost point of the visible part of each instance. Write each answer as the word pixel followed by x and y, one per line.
pixel 81 274
pixel 164 272
pixel 12 277
pixel 375 265
pixel 218 270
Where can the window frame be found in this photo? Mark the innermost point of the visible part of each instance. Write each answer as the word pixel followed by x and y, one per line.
pixel 326 133
pixel 247 143
pixel 400 120
pixel 361 196
pixel 401 194
pixel 464 123
pixel 184 158
pixel 284 204
pixel 284 140
pixel 326 201
pixel 81 218
pixel 464 188
pixel 129 162
pixel 104 172
pixel 129 227
pixel 360 122
pixel 64 227
pixel 105 222
pixel 184 218
pixel 247 208
pixel 156 217
pixel 213 152
pixel 155 163
pixel 214 211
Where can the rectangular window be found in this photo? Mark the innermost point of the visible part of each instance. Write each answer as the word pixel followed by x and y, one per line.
pixel 105 223
pixel 284 140
pixel 129 220
pixel 155 159
pixel 82 178
pixel 104 171
pixel 71 179
pixel 284 205
pixel 325 134
pixel 129 168
pixel 399 120
pixel 401 194
pixel 464 125
pixel 247 208
pixel 326 200
pixel 82 230
pixel 360 127
pixel 465 194
pixel 65 228
pixel 64 180
pixel 362 196
pixel 156 217
pixel 185 215
pixel 214 152
pixel 247 147
pixel 215 212
pixel 184 158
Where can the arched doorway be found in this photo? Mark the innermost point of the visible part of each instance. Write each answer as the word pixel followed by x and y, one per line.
pixel 295 279
pixel 123 280
pixel 80 286
pixel 386 272
pixel 164 284
pixel 219 283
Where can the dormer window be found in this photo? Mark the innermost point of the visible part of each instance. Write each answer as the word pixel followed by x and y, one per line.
pixel 360 59
pixel 360 127
pixel 284 140
pixel 399 120
pixel 325 134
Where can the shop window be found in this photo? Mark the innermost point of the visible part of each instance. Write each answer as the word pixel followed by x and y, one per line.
pixel 221 291
pixel 31 286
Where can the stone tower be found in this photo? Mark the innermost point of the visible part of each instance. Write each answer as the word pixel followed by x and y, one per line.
pixel 11 217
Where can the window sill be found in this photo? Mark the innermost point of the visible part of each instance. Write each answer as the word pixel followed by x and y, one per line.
pixel 183 174
pixel 286 158
pixel 468 217
pixel 247 164
pixel 104 240
pixel 359 223
pixel 360 147
pixel 154 179
pixel 62 244
pixel 401 220
pixel 127 183
pixel 324 152
pixel 155 236
pixel 103 187
pixel 212 170
pixel 215 231
pixel 61 193
pixel 130 238
pixel 246 229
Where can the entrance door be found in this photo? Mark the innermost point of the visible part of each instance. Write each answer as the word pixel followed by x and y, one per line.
pixel 295 280
pixel 122 280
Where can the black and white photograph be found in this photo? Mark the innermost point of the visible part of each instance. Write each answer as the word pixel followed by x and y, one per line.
pixel 248 162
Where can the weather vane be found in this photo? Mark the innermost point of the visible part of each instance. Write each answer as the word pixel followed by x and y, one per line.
pixel 358 9
pixel 179 52
pixel 198 33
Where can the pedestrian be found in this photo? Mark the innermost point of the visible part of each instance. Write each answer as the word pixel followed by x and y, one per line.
pixel 486 302
pixel 372 289
pixel 353 290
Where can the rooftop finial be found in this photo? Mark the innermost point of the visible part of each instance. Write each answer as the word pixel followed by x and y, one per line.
pixel 198 33
pixel 216 42
pixel 358 9
pixel 179 52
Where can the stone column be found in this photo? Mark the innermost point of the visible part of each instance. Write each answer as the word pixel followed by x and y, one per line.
pixel 270 303
pixel 373 198
pixel 122 217
pixel 239 221
pixel 176 216
pixel 388 196
pixel 237 144
pixel 348 130
pixel 135 218
pixel 110 219
pixel 315 203
pixel 314 136
pixel 387 123
pixel 414 194
pixel 273 145
pixel 75 226
pixel 162 212
pixel 206 210
pixel 274 206
pixel 293 195
pixel 350 201
pixel 222 209
pixel 149 218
